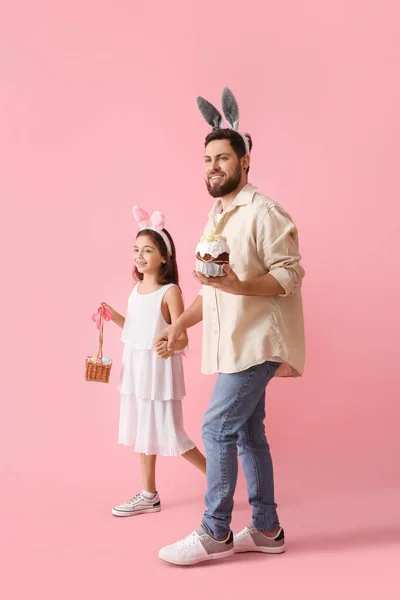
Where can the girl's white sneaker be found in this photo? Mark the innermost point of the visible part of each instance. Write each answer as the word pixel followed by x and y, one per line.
pixel 137 506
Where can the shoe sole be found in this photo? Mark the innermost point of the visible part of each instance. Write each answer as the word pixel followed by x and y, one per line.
pixel 123 513
pixel 264 550
pixel 200 559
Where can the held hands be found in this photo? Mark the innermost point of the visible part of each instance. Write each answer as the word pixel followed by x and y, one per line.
pixel 165 344
pixel 161 349
pixel 230 283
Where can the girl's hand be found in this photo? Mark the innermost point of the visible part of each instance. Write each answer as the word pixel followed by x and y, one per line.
pixel 112 311
pixel 110 308
pixel 170 335
pixel 161 349
pixel 115 316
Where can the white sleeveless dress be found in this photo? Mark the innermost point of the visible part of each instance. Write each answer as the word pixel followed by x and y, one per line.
pixel 152 388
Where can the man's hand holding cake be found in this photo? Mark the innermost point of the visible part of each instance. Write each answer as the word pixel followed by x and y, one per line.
pixel 212 253
pixel 230 283
pixel 212 265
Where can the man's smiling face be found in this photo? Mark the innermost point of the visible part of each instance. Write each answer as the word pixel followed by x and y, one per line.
pixel 223 168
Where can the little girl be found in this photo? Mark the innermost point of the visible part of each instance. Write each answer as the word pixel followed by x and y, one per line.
pixel 152 383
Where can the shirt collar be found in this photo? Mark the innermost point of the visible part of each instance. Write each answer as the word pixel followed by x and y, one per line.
pixel 245 196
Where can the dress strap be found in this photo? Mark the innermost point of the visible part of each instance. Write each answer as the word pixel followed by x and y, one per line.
pixel 166 288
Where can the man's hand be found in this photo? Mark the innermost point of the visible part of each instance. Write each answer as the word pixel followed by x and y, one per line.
pixel 229 283
pixel 161 349
pixel 170 335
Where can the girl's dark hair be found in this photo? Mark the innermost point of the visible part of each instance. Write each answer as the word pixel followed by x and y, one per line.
pixel 168 272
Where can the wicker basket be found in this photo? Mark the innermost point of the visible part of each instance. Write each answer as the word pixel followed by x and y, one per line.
pixel 98 371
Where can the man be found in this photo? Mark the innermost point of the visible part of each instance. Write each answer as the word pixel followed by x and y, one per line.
pixel 252 331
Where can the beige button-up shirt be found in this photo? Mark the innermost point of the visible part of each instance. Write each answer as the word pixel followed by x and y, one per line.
pixel 243 331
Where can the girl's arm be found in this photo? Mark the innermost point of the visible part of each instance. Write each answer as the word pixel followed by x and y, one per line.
pixel 115 316
pixel 174 302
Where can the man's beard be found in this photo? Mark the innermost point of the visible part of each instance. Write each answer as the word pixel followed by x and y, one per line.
pixel 227 187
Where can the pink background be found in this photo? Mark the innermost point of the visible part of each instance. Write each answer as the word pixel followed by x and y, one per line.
pixel 98 113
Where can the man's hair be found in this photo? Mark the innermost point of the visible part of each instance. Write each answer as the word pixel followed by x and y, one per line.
pixel 235 139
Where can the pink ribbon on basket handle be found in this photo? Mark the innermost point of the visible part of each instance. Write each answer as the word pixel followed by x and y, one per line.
pixel 106 315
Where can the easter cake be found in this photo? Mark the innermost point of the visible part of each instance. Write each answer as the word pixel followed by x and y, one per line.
pixel 212 253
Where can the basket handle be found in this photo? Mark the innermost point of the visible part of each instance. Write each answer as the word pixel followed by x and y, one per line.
pixel 101 330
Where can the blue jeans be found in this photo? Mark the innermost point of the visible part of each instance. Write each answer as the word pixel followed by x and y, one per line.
pixel 234 424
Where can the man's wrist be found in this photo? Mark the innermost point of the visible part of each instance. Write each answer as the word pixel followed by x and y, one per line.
pixel 180 322
pixel 243 288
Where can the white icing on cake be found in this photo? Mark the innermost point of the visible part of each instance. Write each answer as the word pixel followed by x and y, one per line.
pixel 212 245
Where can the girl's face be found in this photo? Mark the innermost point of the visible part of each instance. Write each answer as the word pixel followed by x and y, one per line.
pixel 146 255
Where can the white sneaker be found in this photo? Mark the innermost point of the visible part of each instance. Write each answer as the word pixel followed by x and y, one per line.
pixel 137 506
pixel 252 540
pixel 196 548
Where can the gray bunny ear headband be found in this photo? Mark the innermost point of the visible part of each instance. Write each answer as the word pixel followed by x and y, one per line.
pixel 231 111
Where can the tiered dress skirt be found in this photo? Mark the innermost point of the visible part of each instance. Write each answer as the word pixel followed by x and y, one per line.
pixel 151 415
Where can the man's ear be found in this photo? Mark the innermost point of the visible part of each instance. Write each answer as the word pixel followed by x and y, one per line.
pixel 245 162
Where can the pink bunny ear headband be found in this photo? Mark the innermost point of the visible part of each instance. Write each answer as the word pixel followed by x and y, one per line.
pixel 155 222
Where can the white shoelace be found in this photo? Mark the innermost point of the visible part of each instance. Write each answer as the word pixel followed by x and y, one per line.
pixel 242 534
pixel 189 540
pixel 134 500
